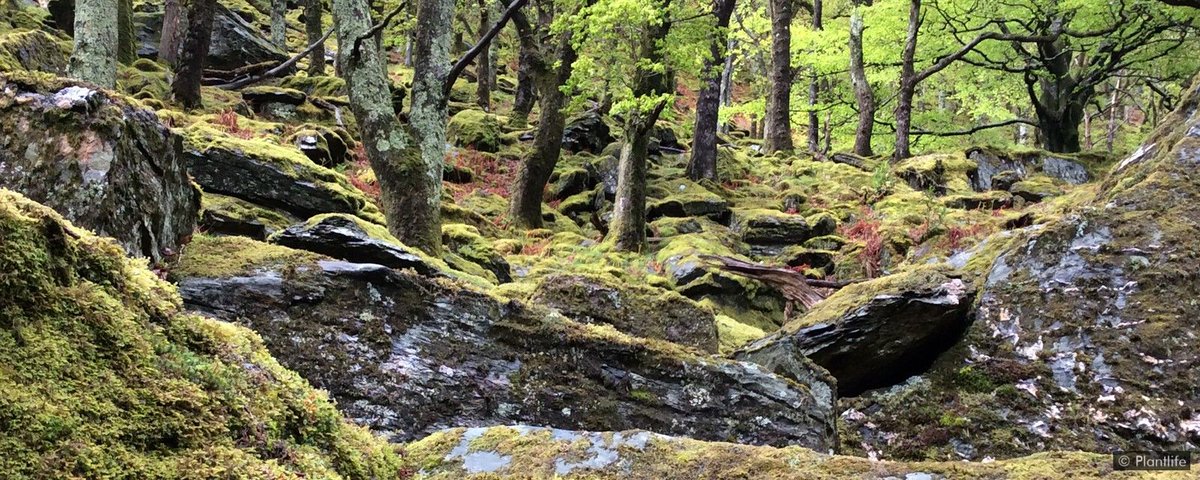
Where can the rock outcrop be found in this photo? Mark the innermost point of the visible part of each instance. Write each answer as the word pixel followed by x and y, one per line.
pixel 235 42
pixel 874 334
pixel 100 161
pixel 407 356
pixel 1084 336
pixel 638 311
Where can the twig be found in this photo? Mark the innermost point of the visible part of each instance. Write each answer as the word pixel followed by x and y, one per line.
pixel 376 28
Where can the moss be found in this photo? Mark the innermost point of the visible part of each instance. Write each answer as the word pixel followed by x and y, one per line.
pixel 476 129
pixel 288 160
pixel 239 210
pixel 945 170
pixel 145 80
pixel 115 382
pixel 1037 188
pixel 734 334
pixel 219 257
pixel 33 50
pixel 545 453
pixel 316 86
pixel 858 294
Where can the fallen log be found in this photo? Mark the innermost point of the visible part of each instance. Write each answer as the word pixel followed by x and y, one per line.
pixel 794 286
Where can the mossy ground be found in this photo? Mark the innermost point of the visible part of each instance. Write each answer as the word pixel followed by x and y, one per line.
pixel 104 377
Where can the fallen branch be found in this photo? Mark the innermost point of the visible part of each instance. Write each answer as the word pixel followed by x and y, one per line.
pixel 794 286
pixel 279 69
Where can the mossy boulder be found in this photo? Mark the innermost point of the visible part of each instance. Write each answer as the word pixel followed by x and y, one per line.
pixel 407 355
pixel 587 133
pixel 537 452
pixel 269 174
pixel 684 198
pixel 637 310
pixel 876 333
pixel 1084 331
pixel 765 227
pixel 224 215
pixel 106 377
pixel 990 162
pixel 34 50
pixel 102 162
pixel 325 146
pixel 235 41
pixel 466 241
pixel 475 129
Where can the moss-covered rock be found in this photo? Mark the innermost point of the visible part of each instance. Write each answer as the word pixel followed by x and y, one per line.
pixel 876 333
pixel 264 172
pixel 536 452
pixel 466 242
pixel 637 310
pixel 475 129
pixel 33 50
pixel 224 215
pixel 101 161
pixel 684 198
pixel 104 377
pixel 1084 329
pixel 407 355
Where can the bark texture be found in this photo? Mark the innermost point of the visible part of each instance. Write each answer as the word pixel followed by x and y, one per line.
pixel 908 84
pixel 483 63
pixel 190 68
pixel 535 171
pixel 94 58
pixel 174 24
pixel 814 87
pixel 864 95
pixel 703 161
pixel 778 128
pixel 312 30
pixel 126 38
pixel 279 23
pixel 407 161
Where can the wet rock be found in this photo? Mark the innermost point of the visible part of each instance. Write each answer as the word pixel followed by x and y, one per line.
pixel 325 146
pixel 407 356
pixel 270 175
pixel 874 334
pixel 769 227
pixel 348 238
pixel 564 184
pixel 538 452
pixel 586 133
pixel 684 198
pixel 263 95
pixel 102 163
pixel 991 163
pixel 1084 331
pixel 1005 180
pixel 222 215
pixel 235 42
pixel 639 311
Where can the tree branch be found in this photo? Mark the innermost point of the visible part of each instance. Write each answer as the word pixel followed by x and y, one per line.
pixel 376 28
pixel 962 133
pixel 279 69
pixel 469 57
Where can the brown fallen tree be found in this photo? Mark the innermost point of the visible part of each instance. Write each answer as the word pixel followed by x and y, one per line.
pixel 794 286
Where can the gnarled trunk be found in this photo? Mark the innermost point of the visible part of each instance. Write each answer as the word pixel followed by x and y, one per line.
pixel 94 58
pixel 407 161
pixel 864 95
pixel 778 128
pixel 190 67
pixel 526 204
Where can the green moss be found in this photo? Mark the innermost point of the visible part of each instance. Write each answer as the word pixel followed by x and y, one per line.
pixel 734 334
pixel 240 210
pixel 858 294
pixel 34 50
pixel 288 160
pixel 476 129
pixel 316 86
pixel 115 382
pixel 219 257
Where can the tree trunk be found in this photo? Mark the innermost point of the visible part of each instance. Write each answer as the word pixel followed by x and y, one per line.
pixel 778 128
pixel 483 62
pixel 1061 134
pixel 313 31
pixel 526 204
pixel 727 83
pixel 1110 137
pixel 814 88
pixel 126 38
pixel 864 95
pixel 526 93
pixel 94 58
pixel 172 32
pixel 279 24
pixel 703 161
pixel 627 231
pixel 193 53
pixel 407 161
pixel 908 83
